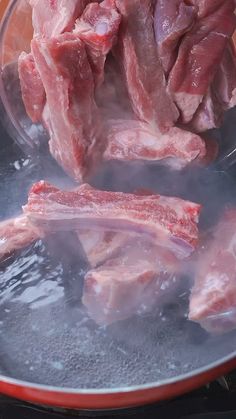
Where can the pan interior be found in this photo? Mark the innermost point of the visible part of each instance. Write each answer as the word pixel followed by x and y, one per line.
pixel 46 336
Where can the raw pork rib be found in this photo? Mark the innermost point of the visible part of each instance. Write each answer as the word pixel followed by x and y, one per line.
pixel 130 284
pixel 133 140
pixel 169 222
pixel 53 17
pixel 213 298
pixel 98 28
pixel 33 93
pixel 16 234
pixel 172 20
pixel 200 54
pixel 72 115
pixel 137 53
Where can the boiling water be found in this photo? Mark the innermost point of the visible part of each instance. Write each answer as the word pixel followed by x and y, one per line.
pixel 45 334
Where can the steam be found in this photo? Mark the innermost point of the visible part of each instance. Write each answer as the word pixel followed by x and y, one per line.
pixel 41 291
pixel 41 287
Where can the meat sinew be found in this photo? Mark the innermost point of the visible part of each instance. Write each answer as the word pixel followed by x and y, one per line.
pixel 73 119
pixel 130 140
pixel 33 93
pixel 98 28
pixel 15 234
pixel 137 54
pixel 199 55
pixel 213 297
pixel 169 222
pixel 130 284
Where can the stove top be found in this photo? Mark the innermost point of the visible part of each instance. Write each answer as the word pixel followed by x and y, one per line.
pixel 215 400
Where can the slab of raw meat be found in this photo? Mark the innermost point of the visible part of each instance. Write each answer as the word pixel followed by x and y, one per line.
pixel 53 17
pixel 213 297
pixel 172 20
pixel 130 140
pixel 98 28
pixel 169 222
pixel 72 115
pixel 15 234
pixel 200 54
pixel 33 93
pixel 137 53
pixel 130 284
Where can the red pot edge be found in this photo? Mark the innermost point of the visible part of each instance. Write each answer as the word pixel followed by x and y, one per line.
pixel 113 400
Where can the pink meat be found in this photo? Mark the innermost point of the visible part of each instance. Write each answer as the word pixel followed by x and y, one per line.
pixel 100 246
pixel 213 297
pixel 52 17
pixel 206 8
pixel 172 20
pixel 225 80
pixel 33 93
pixel 129 284
pixel 221 95
pixel 200 54
pixel 137 54
pixel 98 28
pixel 131 140
pixel 170 222
pixel 15 234
pixel 72 115
pixel 209 114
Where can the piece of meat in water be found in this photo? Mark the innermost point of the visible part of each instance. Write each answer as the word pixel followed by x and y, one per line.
pixel 33 93
pixel 72 115
pixel 200 54
pixel 172 20
pixel 213 297
pixel 130 140
pixel 168 222
pixel 16 234
pixel 98 28
pixel 53 17
pixel 136 52
pixel 132 283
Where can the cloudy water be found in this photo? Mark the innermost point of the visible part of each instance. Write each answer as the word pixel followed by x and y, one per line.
pixel 45 334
